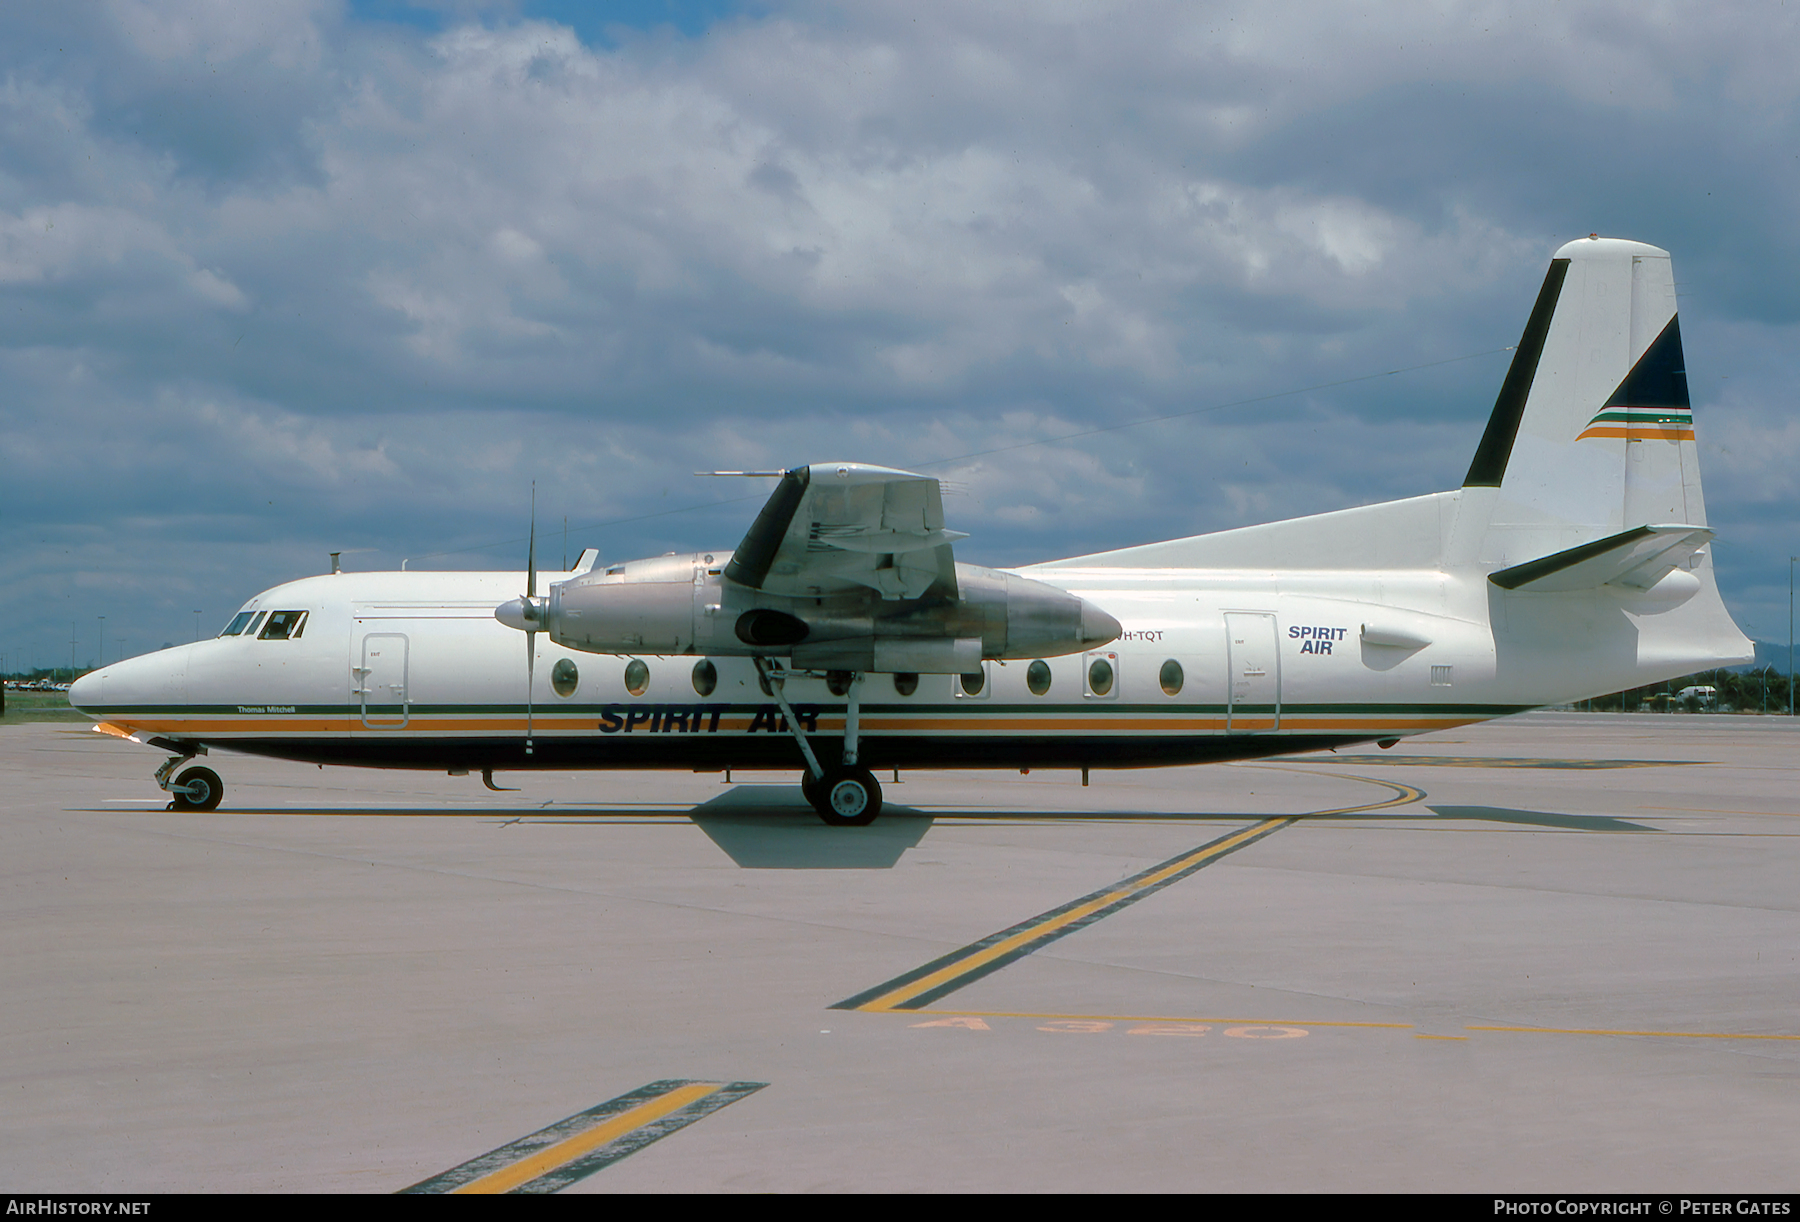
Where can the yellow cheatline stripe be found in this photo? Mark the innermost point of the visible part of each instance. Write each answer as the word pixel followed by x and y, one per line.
pixel 1164 1018
pixel 1040 722
pixel 1683 1035
pixel 552 1157
pixel 961 967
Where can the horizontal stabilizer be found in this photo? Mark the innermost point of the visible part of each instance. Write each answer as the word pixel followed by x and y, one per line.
pixel 1635 559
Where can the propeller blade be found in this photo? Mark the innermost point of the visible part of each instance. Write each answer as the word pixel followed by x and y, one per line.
pixel 531 617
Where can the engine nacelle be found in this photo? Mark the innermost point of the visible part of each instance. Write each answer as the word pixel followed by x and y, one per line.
pixel 686 605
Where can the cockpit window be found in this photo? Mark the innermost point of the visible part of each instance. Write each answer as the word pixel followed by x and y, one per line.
pixel 238 623
pixel 284 626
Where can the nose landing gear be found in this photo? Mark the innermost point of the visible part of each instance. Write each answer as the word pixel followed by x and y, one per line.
pixel 195 789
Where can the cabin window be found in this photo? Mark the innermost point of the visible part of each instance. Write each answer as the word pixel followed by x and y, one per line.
pixel 238 623
pixel 284 626
pixel 973 682
pixel 1037 678
pixel 564 677
pixel 637 677
pixel 1100 677
pixel 1171 678
pixel 906 683
pixel 706 677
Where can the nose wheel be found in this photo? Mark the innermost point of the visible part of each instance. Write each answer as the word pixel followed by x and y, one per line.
pixel 196 789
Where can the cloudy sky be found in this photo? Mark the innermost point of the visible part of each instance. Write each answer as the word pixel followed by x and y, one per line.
pixel 305 276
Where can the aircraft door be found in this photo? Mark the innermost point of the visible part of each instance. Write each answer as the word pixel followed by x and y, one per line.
pixel 381 685
pixel 1254 672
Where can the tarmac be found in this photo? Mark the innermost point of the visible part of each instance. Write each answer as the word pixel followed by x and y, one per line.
pixel 1558 953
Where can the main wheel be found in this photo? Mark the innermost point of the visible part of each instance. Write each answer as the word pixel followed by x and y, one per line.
pixel 847 797
pixel 197 789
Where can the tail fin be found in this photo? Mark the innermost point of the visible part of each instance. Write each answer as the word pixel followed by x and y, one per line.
pixel 1593 433
pixel 1588 478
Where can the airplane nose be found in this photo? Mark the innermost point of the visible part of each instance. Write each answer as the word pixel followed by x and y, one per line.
pixel 1097 627
pixel 88 690
pixel 152 679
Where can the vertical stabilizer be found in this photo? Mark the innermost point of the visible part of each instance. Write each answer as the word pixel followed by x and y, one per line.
pixel 1593 432
pixel 1583 503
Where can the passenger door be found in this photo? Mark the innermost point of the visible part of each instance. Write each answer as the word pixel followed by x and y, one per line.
pixel 381 686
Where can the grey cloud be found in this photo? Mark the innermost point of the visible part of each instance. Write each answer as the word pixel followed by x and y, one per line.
pixel 279 280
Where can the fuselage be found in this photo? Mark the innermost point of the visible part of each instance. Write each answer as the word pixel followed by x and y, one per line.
pixel 412 670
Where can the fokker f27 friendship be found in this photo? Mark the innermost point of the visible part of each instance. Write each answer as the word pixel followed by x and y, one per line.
pixel 842 636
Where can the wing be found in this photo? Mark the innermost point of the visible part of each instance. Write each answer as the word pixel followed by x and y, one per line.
pixel 834 526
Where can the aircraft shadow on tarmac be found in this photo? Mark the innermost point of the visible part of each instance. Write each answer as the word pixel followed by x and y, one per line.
pixel 1538 818
pixel 771 827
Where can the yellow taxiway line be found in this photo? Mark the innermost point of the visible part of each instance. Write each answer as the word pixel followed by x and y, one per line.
pixel 922 986
pixel 527 1169
pixel 555 1157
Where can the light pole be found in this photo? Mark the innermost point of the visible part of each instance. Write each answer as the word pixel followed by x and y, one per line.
pixel 1791 560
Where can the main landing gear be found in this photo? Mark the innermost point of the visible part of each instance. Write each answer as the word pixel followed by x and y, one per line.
pixel 195 789
pixel 844 796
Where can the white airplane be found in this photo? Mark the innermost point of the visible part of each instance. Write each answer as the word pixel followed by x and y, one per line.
pixel 841 635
